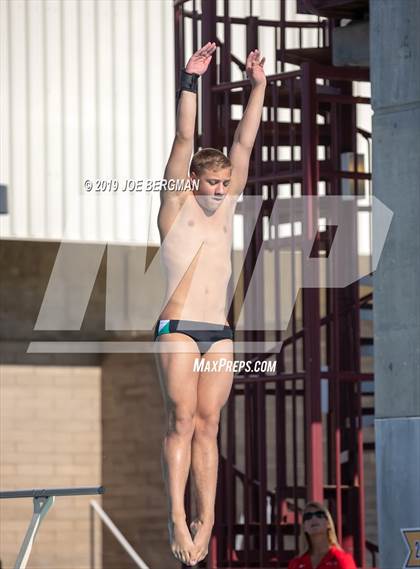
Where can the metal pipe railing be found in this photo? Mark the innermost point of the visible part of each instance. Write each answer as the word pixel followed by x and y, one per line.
pixel 43 499
pixel 95 507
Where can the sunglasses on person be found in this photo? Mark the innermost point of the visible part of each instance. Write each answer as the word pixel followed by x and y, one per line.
pixel 309 515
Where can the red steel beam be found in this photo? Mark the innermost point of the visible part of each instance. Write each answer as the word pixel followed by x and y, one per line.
pixel 313 418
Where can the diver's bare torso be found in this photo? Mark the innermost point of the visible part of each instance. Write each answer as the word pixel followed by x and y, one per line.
pixel 196 255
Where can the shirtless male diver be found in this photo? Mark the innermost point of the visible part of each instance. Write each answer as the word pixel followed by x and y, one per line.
pixel 196 232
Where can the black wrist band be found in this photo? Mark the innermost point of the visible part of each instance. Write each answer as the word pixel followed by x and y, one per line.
pixel 187 82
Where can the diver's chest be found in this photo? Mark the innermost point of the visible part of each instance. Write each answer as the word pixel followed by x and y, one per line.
pixel 210 231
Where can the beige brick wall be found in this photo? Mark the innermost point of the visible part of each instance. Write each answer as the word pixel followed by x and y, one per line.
pixel 84 426
pixel 50 437
pixel 133 427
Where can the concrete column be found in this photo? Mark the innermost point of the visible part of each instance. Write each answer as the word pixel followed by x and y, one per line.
pixel 395 76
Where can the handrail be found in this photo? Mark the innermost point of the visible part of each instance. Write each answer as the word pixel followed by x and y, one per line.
pixel 117 534
pixel 373 550
pixel 43 499
pixel 220 87
pixel 261 22
pixel 46 492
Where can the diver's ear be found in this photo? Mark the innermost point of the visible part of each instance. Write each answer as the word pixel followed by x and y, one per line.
pixel 194 180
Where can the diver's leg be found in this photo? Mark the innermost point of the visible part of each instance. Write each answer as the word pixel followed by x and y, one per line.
pixel 213 393
pixel 179 388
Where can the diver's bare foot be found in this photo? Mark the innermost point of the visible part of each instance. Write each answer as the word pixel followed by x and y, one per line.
pixel 182 546
pixel 201 532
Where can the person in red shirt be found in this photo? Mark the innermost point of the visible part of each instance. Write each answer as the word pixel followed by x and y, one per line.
pixel 319 543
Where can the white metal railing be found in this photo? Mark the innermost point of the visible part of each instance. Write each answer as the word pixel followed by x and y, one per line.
pixel 43 500
pixel 117 534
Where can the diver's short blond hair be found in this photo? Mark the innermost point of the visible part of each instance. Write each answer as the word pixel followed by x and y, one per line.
pixel 208 159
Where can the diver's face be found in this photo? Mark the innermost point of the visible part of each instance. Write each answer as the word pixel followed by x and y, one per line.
pixel 213 187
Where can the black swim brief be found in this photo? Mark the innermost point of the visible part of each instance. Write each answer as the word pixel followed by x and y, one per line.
pixel 204 333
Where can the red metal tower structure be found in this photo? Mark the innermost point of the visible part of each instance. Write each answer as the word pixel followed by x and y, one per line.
pixel 296 435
